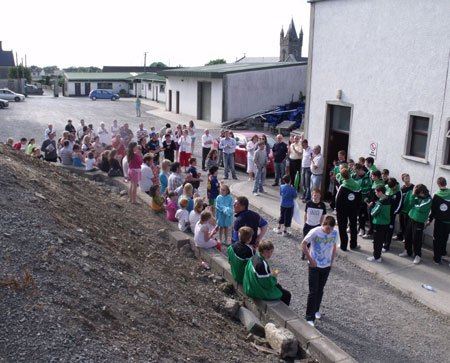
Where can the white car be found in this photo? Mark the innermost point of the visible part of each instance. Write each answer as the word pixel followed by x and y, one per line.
pixel 3 103
pixel 6 94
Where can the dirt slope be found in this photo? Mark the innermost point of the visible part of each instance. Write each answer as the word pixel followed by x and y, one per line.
pixel 84 276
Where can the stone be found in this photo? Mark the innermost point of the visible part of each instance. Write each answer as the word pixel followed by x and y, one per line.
pixel 303 331
pixel 251 322
pixel 231 307
pixel 123 192
pixel 227 288
pixel 281 340
pixel 84 254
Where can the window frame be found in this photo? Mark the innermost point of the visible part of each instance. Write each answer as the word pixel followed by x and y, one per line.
pixel 408 153
pixel 446 154
pixel 104 83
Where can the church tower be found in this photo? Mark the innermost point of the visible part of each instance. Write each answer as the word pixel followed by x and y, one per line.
pixel 291 44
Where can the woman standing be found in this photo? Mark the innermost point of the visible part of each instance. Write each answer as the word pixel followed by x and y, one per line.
pixel 185 148
pixel 177 136
pixel 252 146
pixel 267 146
pixel 191 130
pixel 134 169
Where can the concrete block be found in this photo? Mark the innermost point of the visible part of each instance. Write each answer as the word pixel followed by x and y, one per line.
pixel 324 350
pixel 303 331
pixel 231 307
pixel 220 263
pixel 251 322
pixel 194 248
pixel 227 275
pixel 281 341
pixel 178 238
pixel 207 254
pixel 256 306
pixel 280 313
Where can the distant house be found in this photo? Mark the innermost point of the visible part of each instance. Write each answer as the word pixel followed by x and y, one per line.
pixel 149 85
pixel 6 61
pixel 80 84
pixel 133 69
pixel 225 92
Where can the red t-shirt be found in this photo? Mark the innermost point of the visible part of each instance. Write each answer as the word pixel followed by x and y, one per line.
pixel 17 145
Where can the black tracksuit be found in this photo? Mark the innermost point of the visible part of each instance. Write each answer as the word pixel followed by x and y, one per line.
pixel 347 205
pixel 403 217
pixel 440 211
pixel 396 201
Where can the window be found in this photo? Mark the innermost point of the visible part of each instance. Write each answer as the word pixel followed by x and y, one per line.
pixel 104 85
pixel 447 145
pixel 418 136
pixel 162 88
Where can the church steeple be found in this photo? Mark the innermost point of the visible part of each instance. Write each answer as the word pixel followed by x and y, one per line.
pixel 291 43
pixel 282 33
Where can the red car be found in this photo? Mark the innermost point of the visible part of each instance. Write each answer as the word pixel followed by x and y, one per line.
pixel 240 156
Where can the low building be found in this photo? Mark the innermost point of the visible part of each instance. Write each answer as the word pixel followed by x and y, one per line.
pixel 226 92
pixel 149 85
pixel 80 84
pixel 378 84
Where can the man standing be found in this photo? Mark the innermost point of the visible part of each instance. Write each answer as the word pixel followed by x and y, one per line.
pixel 219 138
pixel 228 145
pixel 295 158
pixel 103 134
pixel 154 147
pixel 80 131
pixel 440 211
pixel 126 134
pixel 207 142
pixel 138 106
pixel 261 160
pixel 245 217
pixel 70 127
pixel 279 150
pixel 141 133
pixel 49 148
pixel 316 168
pixel 306 170
pixel 323 241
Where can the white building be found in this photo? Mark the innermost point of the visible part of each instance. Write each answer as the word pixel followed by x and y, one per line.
pixel 80 84
pixel 226 92
pixel 378 83
pixel 149 85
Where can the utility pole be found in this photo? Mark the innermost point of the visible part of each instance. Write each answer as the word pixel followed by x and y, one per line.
pixel 145 61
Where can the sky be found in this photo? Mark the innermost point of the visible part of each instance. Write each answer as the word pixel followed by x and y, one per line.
pixel 176 32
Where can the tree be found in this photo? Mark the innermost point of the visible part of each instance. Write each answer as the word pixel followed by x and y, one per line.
pixel 50 69
pixel 157 64
pixel 216 61
pixel 19 72
pixel 90 69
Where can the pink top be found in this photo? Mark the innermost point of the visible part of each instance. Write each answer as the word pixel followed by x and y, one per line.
pixel 171 209
pixel 136 163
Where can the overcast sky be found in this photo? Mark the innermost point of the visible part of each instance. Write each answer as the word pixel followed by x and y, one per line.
pixel 176 32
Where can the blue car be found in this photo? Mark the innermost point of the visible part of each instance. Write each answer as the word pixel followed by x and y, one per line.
pixel 103 94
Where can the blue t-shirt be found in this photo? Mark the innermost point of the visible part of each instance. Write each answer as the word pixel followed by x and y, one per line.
pixel 288 194
pixel 249 219
pixel 321 245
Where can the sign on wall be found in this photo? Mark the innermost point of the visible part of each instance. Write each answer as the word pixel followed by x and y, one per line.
pixel 373 149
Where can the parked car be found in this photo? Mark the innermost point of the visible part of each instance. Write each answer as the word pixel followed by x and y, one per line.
pixel 103 94
pixel 34 90
pixel 6 94
pixel 4 103
pixel 240 156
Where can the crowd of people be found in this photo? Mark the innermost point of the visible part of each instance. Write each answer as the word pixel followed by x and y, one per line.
pixel 161 164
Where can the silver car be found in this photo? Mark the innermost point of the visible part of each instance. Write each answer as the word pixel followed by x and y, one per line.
pixel 6 94
pixel 3 103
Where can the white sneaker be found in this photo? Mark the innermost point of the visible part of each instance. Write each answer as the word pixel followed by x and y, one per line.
pixel 373 259
pixel 366 235
pixel 310 322
pixel 334 211
pixel 255 194
pixel 277 230
pixel 348 229
pixel 417 260
pixel 403 254
pixel 361 232
pixel 285 233
pixel 318 316
pixel 383 250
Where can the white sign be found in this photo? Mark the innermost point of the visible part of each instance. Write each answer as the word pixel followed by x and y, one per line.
pixel 373 149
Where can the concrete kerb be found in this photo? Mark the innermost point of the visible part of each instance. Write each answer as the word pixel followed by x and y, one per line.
pixel 310 340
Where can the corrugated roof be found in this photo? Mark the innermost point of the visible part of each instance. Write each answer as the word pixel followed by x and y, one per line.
pixel 98 76
pixel 149 77
pixel 6 58
pixel 219 70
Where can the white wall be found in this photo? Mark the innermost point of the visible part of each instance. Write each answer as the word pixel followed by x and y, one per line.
pixel 117 86
pixel 187 86
pixel 151 93
pixel 388 58
pixel 251 92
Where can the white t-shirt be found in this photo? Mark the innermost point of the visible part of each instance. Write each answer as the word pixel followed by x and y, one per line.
pixel 199 236
pixel 194 217
pixel 103 135
pixel 321 245
pixel 183 217
pixel 318 161
pixel 306 160
pixel 90 164
pixel 205 139
pixel 115 130
pixel 251 148
pixel 147 175
pixel 125 166
pixel 185 143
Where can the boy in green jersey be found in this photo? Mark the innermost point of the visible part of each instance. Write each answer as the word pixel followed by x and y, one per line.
pixel 362 178
pixel 240 252
pixel 376 180
pixel 381 216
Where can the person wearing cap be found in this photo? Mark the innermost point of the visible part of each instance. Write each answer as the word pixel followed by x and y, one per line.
pixel 103 134
pixel 70 127
pixel 154 147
